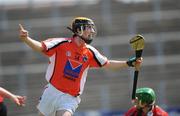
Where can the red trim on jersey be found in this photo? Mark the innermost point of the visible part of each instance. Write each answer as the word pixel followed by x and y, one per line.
pixel 107 62
pixel 157 111
pixel 1 99
pixel 54 69
pixel 44 46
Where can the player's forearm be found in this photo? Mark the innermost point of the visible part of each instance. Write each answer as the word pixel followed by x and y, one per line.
pixel 6 94
pixel 35 45
pixel 115 64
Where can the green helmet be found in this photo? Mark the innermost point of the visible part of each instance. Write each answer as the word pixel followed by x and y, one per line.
pixel 146 95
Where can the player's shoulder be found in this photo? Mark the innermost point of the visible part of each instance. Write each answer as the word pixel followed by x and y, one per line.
pixel 161 112
pixel 60 39
pixel 91 48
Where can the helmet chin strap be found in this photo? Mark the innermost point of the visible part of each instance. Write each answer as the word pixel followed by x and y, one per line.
pixel 87 41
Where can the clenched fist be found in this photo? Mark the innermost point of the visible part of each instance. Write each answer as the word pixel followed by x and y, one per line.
pixel 23 34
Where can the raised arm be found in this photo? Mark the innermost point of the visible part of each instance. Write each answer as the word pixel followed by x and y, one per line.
pixel 24 36
pixel 19 100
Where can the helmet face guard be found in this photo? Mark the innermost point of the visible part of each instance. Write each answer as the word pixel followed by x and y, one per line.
pixel 146 95
pixel 80 24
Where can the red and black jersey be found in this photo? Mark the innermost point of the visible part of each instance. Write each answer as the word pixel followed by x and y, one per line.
pixel 156 111
pixel 1 99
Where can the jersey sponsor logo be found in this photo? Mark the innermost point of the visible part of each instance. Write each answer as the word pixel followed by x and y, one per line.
pixel 72 69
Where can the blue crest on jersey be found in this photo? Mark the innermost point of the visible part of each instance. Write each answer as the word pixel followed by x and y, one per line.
pixel 72 68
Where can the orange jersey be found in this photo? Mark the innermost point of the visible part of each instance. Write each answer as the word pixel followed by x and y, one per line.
pixel 69 64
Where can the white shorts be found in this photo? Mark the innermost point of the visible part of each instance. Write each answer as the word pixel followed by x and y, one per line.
pixel 54 100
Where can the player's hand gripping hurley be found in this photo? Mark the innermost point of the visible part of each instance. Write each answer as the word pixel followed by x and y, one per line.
pixel 137 43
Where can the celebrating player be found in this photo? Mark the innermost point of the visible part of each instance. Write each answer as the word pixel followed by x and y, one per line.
pixel 19 100
pixel 145 104
pixel 70 59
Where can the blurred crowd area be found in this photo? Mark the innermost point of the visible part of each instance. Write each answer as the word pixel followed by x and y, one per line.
pixel 22 70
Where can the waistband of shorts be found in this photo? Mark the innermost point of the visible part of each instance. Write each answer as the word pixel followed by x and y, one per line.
pixel 57 90
pixel 54 88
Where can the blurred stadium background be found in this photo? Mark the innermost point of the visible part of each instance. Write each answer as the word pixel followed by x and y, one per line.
pixel 107 93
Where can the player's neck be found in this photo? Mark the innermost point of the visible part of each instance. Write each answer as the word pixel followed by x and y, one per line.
pixel 79 42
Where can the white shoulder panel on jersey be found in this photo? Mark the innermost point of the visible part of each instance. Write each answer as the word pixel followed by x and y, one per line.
pixel 51 43
pixel 99 57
